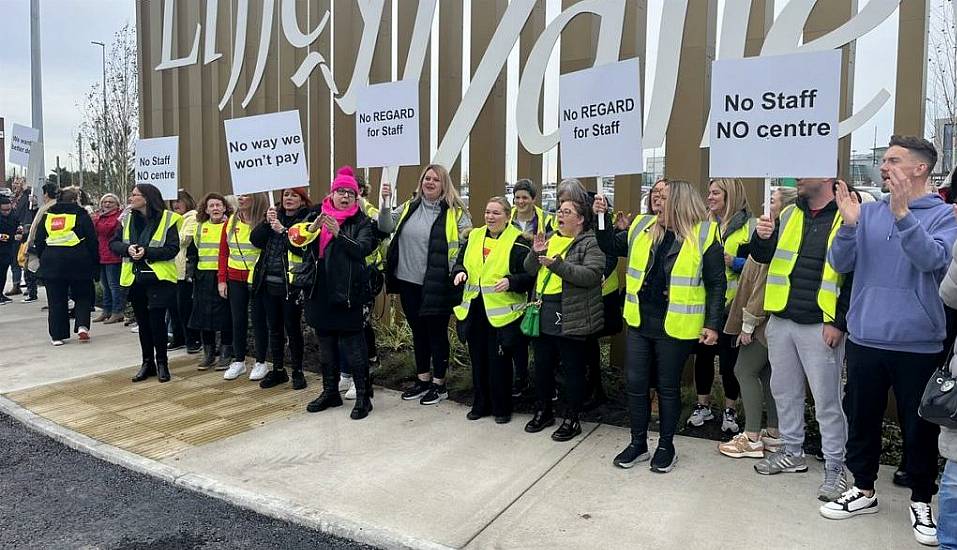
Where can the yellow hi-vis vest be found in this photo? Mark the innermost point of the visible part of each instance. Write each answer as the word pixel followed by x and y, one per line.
pixel 208 235
pixel 452 216
pixel 242 254
pixel 484 273
pixel 731 245
pixel 374 259
pixel 790 233
pixel 165 270
pixel 60 230
pixel 543 219
pixel 611 284
pixel 686 293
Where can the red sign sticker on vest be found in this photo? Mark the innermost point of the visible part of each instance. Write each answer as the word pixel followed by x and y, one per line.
pixel 58 222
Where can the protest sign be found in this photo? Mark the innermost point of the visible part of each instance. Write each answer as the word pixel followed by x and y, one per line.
pixel 266 152
pixel 600 120
pixel 157 163
pixel 775 116
pixel 21 142
pixel 387 125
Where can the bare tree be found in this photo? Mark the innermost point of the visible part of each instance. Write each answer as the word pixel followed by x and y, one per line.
pixel 112 138
pixel 942 69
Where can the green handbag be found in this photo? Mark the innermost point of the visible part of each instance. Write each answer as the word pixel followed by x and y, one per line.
pixel 532 319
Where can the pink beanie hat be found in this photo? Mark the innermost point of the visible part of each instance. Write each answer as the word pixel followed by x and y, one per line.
pixel 345 178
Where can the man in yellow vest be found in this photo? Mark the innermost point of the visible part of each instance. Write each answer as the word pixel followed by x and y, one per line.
pixel 808 302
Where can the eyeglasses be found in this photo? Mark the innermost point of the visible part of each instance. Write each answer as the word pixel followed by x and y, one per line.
pixel 345 192
pixel 566 212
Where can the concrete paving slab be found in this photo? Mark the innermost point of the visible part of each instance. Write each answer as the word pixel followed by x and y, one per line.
pixel 707 501
pixel 424 472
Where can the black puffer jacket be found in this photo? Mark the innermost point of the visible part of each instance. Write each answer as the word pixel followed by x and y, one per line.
pixel 439 295
pixel 808 269
pixel 69 262
pixel 264 238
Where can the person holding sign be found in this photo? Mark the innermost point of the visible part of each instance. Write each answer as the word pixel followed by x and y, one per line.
pixel 183 336
pixel 148 242
pixel 283 309
pixel 674 299
pixel 428 231
pixel 568 268
pixel 238 262
pixel 491 270
pixel 210 311
pixel 728 207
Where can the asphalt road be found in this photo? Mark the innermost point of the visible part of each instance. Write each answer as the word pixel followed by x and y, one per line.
pixel 54 497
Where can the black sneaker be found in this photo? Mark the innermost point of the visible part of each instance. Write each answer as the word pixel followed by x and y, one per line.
pixel 503 418
pixel 29 299
pixel 476 414
pixel 175 346
pixel 420 388
pixel 194 348
pixel 901 478
pixel 664 460
pixel 633 454
pixel 435 395
pixel 298 380
pixel 519 387
pixel 4 300
pixel 569 429
pixel 540 421
pixel 274 378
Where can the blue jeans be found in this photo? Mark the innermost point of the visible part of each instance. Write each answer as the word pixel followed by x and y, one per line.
pixel 114 299
pixel 947 514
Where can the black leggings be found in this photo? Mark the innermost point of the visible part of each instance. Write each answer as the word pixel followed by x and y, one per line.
pixel 151 322
pixel 179 317
pixel 727 355
pixel 668 355
pixel 208 337
pixel 430 333
pixel 550 351
pixel 240 296
pixel 284 316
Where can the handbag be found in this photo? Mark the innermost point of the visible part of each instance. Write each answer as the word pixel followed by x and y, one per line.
pixel 939 402
pixel 532 318
pixel 22 255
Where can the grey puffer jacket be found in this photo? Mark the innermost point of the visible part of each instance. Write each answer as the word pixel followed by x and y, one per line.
pixel 947 442
pixel 583 312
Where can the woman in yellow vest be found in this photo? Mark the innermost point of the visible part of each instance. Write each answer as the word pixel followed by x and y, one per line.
pixel 148 242
pixel 69 259
pixel 490 269
pixel 210 311
pixel 674 299
pixel 428 233
pixel 727 207
pixel 183 336
pixel 568 267
pixel 238 260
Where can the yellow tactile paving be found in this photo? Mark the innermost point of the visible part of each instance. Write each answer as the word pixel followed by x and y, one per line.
pixel 159 420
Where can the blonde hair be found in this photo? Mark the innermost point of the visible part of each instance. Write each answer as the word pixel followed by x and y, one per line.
pixel 685 209
pixel 449 193
pixel 256 212
pixel 735 200
pixel 788 197
pixel 503 202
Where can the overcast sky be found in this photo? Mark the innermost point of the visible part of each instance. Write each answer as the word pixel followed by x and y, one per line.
pixel 71 65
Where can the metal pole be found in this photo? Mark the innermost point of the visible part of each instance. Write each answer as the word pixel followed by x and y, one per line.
pixel 58 182
pixel 36 89
pixel 103 134
pixel 79 140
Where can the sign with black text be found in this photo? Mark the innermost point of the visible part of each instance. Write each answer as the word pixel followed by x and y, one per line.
pixel 266 152
pixel 775 117
pixel 21 142
pixel 387 125
pixel 157 163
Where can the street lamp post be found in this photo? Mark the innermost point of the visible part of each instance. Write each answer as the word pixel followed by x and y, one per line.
pixel 103 120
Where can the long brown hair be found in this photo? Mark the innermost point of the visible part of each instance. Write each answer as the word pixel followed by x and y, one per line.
pixel 202 216
pixel 256 212
pixel 685 209
pixel 735 200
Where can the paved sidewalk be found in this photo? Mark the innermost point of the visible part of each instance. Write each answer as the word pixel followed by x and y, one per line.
pixel 417 477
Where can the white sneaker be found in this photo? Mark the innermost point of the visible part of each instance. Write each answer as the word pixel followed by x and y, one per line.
pixel 351 392
pixel 852 503
pixel 700 415
pixel 135 329
pixel 345 382
pixel 235 370
pixel 259 371
pixel 56 342
pixel 922 521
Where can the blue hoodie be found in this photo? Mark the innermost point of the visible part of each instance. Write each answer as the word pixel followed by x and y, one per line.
pixel 898 266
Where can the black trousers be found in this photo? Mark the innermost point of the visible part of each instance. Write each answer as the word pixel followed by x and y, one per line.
pixel 727 355
pixel 430 333
pixel 491 365
pixel 152 324
pixel 348 348
pixel 369 334
pixel 208 337
pixel 59 292
pixel 284 318
pixel 179 318
pixel 520 359
pixel 870 374
pixel 5 262
pixel 241 301
pixel 32 282
pixel 550 353
pixel 667 356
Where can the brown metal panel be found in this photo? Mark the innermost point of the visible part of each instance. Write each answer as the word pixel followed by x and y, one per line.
pixel 143 29
pixel 759 23
pixel 381 70
pixel 634 38
pixel 408 176
pixel 191 117
pixel 909 105
pixel 319 99
pixel 529 165
pixel 578 47
pixel 347 25
pixel 449 73
pixel 154 47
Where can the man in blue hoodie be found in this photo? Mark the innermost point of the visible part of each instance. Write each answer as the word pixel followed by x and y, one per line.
pixel 899 250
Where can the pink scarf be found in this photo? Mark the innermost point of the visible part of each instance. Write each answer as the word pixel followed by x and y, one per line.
pixel 325 237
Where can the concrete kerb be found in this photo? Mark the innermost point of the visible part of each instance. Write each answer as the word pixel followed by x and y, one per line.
pixel 277 508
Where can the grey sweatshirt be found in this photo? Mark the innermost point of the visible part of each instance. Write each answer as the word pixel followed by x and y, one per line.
pixel 414 240
pixel 947 442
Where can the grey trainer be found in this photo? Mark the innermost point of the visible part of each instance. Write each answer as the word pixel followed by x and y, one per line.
pixel 835 483
pixel 781 462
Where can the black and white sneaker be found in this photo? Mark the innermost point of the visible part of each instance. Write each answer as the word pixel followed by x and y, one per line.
pixel 634 453
pixel 420 388
pixel 922 521
pixel 852 503
pixel 4 300
pixel 29 299
pixel 435 395
pixel 664 460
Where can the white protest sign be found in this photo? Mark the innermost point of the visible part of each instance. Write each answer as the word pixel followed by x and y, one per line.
pixel 157 163
pixel 387 125
pixel 266 152
pixel 20 144
pixel 775 117
pixel 600 120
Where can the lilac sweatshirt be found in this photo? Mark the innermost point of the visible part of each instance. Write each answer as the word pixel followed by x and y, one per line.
pixel 898 266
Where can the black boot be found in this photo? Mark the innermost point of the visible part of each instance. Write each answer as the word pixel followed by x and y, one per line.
pixel 273 378
pixel 569 429
pixel 162 371
pixel 209 357
pixel 299 380
pixel 543 418
pixel 225 358
pixel 363 406
pixel 146 370
pixel 330 394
